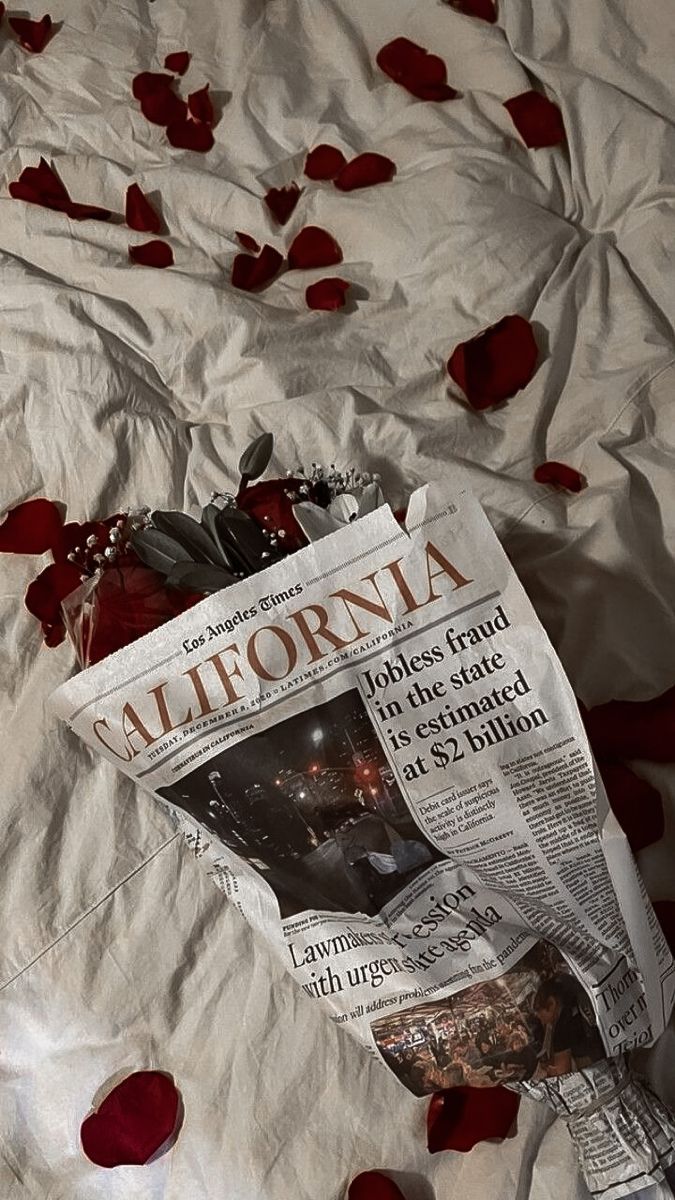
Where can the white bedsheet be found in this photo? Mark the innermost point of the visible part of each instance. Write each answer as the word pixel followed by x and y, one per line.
pixel 122 384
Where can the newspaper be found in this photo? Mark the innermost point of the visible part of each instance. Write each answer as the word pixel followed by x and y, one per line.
pixel 376 747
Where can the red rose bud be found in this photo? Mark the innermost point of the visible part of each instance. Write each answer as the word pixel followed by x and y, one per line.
pixel 460 1117
pixel 136 1118
pixel 324 162
pixel 538 120
pixel 495 364
pixel 282 201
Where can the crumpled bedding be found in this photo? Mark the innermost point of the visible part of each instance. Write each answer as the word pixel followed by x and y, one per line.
pixel 124 385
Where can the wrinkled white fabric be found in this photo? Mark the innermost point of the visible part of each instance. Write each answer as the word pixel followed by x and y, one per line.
pixel 124 385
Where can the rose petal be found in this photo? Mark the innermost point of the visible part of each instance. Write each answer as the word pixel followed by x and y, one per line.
pixel 33 35
pixel 152 254
pixel 324 162
pixel 422 74
pixel 133 1121
pixel 495 364
pixel 190 135
pixel 201 107
pixel 41 185
pixel 87 212
pixel 313 247
pixel 163 107
pixel 31 528
pixel 624 729
pixel 150 81
pixel 327 294
pixel 53 634
pixel 665 911
pixel 248 242
pixel 249 273
pixel 635 803
pixel 282 201
pixel 364 171
pixel 178 62
pixel 44 595
pixel 538 120
pixel 139 213
pixel 560 475
pixel 484 9
pixel 373 1185
pixel 460 1117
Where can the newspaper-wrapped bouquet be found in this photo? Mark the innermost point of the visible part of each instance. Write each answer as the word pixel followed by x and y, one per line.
pixel 363 728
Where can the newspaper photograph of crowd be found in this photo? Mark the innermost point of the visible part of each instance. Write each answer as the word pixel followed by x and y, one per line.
pixel 313 805
pixel 534 1021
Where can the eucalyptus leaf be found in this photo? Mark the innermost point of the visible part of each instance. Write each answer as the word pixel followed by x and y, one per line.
pixel 256 457
pixel 159 551
pixel 188 533
pixel 199 577
pixel 246 537
pixel 228 556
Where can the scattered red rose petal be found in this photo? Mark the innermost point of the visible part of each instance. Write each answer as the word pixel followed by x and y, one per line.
pixel 624 729
pixel 201 107
pixel 495 364
pixel 163 107
pixel 152 254
pixel 33 35
pixel 324 162
pixel 373 1185
pixel 484 9
pixel 635 803
pixel 364 171
pixel 178 62
pixel 327 294
pixel 31 528
pixel 538 120
pixel 249 273
pixel 282 201
pixel 313 247
pixel 560 475
pixel 248 242
pixel 133 1121
pixel 41 185
pixel 44 595
pixel 190 135
pixel 665 911
pixel 150 81
pixel 460 1117
pixel 139 213
pixel 422 74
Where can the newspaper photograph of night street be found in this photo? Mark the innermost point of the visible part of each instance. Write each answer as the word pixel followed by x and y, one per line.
pixel 313 805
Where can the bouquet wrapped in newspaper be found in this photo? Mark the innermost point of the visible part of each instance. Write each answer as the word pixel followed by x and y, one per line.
pixel 377 751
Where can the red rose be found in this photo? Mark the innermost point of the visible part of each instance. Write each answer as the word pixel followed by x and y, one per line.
pixel 270 504
pixel 128 602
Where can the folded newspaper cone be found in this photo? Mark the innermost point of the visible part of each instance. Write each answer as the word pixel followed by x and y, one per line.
pixel 375 747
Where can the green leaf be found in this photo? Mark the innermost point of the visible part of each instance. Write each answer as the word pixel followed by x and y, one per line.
pixel 188 533
pixel 228 555
pixel 159 551
pixel 256 457
pixel 199 577
pixel 246 537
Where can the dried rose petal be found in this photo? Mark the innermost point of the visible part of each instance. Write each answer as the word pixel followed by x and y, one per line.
pixel 460 1117
pixel 538 120
pixel 282 201
pixel 313 247
pixel 249 273
pixel 190 135
pixel 364 171
pixel 150 81
pixel 665 911
pixel 44 595
pixel 135 1119
pixel 373 1185
pixel 33 35
pixel 560 475
pixel 163 107
pixel 200 106
pixel 635 803
pixel 422 74
pixel 31 528
pixel 327 294
pixel 139 213
pixel 248 242
pixel 324 162
pixel 178 62
pixel 484 9
pixel 633 728
pixel 152 254
pixel 495 364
